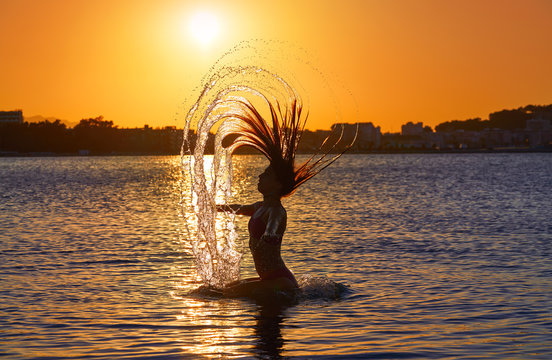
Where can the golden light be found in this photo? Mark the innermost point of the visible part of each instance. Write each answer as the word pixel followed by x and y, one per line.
pixel 204 27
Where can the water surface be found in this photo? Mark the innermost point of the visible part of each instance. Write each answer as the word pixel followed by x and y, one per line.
pixel 446 256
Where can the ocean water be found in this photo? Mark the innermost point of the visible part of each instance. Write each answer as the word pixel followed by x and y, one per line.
pixel 444 256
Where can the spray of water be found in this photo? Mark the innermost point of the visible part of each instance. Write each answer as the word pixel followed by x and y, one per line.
pixel 226 88
pixel 212 235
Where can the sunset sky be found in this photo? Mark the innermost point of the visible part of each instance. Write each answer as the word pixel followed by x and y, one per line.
pixel 140 62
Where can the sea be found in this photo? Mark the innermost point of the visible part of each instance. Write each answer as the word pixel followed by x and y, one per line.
pixel 435 256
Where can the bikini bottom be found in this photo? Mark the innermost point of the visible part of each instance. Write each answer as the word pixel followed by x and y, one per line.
pixel 282 272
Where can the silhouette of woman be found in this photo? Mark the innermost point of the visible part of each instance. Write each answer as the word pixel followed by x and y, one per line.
pixel 280 179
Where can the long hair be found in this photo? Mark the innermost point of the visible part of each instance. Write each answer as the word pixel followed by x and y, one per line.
pixel 277 141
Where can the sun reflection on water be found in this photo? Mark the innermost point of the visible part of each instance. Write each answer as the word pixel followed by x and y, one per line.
pixel 223 326
pixel 215 245
pixel 215 326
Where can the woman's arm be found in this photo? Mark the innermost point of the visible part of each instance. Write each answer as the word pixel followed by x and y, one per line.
pixel 238 209
pixel 276 222
pixel 275 226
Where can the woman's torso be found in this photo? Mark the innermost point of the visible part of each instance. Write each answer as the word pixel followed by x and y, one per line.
pixel 266 250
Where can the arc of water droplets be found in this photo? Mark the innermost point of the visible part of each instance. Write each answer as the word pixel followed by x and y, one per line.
pixel 220 103
pixel 212 240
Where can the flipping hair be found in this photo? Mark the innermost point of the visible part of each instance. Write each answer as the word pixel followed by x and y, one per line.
pixel 278 141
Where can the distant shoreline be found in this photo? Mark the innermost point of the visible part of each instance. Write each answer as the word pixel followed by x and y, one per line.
pixel 373 152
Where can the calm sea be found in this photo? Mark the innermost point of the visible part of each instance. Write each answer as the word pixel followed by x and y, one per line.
pixel 445 256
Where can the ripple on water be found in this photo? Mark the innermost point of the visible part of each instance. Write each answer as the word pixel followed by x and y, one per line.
pixel 443 257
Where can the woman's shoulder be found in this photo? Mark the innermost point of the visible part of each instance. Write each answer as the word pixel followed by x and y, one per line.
pixel 257 205
pixel 275 211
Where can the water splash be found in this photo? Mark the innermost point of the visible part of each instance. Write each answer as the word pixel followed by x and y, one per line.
pixel 231 80
pixel 212 235
pixel 311 288
pixel 320 287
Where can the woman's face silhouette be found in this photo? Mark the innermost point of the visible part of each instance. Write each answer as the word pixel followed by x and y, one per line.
pixel 268 182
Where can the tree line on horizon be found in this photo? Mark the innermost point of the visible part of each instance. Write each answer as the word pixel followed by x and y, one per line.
pixel 97 136
pixel 504 119
pixel 91 136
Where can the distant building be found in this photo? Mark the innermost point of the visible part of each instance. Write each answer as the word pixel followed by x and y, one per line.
pixel 15 117
pixel 367 137
pixel 435 140
pixel 463 139
pixel 538 125
pixel 416 136
pixel 538 132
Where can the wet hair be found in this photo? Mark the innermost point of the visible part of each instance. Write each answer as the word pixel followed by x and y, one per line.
pixel 278 142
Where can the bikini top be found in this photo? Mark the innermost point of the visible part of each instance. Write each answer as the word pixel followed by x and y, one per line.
pixel 257 228
pixel 264 248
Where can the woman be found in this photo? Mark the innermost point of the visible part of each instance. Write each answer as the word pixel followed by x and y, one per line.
pixel 266 229
pixel 281 178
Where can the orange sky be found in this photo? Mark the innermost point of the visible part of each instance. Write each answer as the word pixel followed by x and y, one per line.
pixel 136 62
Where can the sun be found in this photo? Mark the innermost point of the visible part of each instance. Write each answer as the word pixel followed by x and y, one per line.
pixel 204 27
